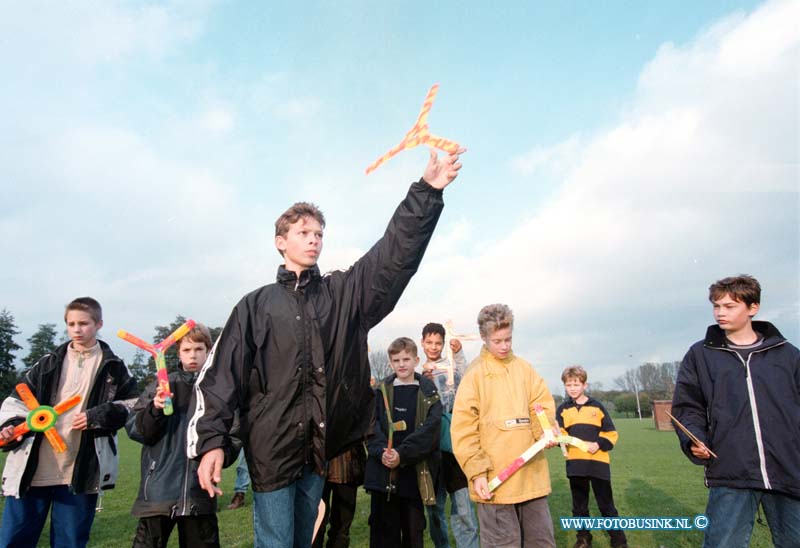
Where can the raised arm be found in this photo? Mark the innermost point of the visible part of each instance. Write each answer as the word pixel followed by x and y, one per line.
pixel 379 277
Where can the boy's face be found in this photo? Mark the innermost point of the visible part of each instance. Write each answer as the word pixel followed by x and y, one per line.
pixel 192 355
pixel 731 315
pixel 575 388
pixel 432 345
pixel 403 364
pixel 82 329
pixel 301 245
pixel 498 343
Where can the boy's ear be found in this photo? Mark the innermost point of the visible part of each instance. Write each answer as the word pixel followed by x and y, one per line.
pixel 416 360
pixel 280 243
pixel 99 325
pixel 754 309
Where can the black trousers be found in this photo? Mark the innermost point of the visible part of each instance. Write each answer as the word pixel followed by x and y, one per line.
pixel 340 507
pixel 396 523
pixel 605 503
pixel 153 532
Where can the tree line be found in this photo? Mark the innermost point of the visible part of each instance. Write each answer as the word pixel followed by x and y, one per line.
pixel 46 339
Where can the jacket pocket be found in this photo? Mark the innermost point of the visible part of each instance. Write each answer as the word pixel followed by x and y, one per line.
pixel 148 477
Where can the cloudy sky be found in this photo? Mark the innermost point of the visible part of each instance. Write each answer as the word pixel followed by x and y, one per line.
pixel 622 156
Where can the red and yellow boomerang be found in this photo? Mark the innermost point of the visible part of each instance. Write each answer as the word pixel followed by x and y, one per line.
pixel 419 134
pixel 42 418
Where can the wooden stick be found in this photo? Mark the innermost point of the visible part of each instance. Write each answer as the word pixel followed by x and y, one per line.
pixel 691 436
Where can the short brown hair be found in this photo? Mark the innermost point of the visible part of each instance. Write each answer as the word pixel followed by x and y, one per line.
pixel 574 372
pixel 742 288
pixel 493 317
pixel 400 345
pixel 299 210
pixel 198 334
pixel 88 305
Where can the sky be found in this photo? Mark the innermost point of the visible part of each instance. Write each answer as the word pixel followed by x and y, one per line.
pixel 621 157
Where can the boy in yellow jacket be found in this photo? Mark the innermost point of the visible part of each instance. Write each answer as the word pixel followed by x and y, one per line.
pixel 493 423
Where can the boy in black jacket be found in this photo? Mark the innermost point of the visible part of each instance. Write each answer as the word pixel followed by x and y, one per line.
pixel 586 418
pixel 399 475
pixel 737 393
pixel 170 493
pixel 37 479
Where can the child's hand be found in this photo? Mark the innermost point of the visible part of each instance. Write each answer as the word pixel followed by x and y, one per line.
pixel 481 486
pixel 80 422
pixel 593 447
pixel 700 451
pixel 7 434
pixel 440 173
pixel 552 441
pixel 455 345
pixel 209 472
pixel 159 401
pixel 390 458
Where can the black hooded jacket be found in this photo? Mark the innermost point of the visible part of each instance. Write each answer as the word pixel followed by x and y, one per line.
pixel 292 357
pixel 747 411
pixel 107 405
pixel 169 484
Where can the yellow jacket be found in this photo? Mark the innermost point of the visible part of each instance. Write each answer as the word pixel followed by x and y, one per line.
pixel 494 422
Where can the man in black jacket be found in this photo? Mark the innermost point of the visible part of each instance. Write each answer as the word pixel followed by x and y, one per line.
pixel 292 359
pixel 738 392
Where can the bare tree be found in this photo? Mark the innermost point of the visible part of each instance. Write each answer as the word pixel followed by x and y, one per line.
pixel 379 364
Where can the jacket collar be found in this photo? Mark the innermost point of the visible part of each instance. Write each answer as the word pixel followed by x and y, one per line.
pixel 289 278
pixel 715 336
pixel 494 362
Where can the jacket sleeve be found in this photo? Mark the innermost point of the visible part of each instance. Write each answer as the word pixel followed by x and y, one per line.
pixel 608 434
pixel 689 406
pixel 146 424
pixel 216 395
pixel 108 417
pixel 465 430
pixel 377 439
pixel 378 278
pixel 424 440
pixel 560 420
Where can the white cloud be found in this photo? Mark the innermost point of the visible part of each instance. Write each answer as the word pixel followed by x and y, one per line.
pixel 697 181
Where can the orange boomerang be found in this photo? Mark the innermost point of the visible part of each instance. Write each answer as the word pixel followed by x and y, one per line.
pixel 42 418
pixel 419 135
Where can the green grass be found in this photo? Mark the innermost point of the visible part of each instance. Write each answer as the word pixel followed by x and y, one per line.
pixel 650 476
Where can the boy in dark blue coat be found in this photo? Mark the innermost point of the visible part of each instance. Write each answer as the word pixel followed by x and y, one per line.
pixel 738 392
pixel 400 477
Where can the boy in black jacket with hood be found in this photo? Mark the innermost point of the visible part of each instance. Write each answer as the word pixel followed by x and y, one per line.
pixel 738 392
pixel 170 493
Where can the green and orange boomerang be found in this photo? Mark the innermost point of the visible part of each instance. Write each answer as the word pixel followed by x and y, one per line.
pixel 157 351
pixel 419 135
pixel 42 418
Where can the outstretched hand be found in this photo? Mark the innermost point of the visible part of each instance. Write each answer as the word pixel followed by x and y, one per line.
pixel 441 172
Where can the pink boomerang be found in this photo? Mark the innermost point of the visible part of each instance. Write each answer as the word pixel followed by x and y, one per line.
pixel 419 134
pixel 157 351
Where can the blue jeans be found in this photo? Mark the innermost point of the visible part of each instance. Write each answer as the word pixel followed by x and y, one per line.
pixel 731 513
pixel 462 519
pixel 70 519
pixel 242 482
pixel 437 518
pixel 286 517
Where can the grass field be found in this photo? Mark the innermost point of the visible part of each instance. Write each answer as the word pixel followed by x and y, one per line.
pixel 650 475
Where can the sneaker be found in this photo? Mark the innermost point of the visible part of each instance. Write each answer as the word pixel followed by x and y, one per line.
pixel 237 501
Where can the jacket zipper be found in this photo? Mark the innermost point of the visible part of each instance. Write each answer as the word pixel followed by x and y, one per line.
pixel 304 372
pixel 754 409
pixel 94 396
pixel 147 479
pixel 184 509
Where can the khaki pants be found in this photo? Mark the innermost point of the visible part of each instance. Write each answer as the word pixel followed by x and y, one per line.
pixel 523 525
